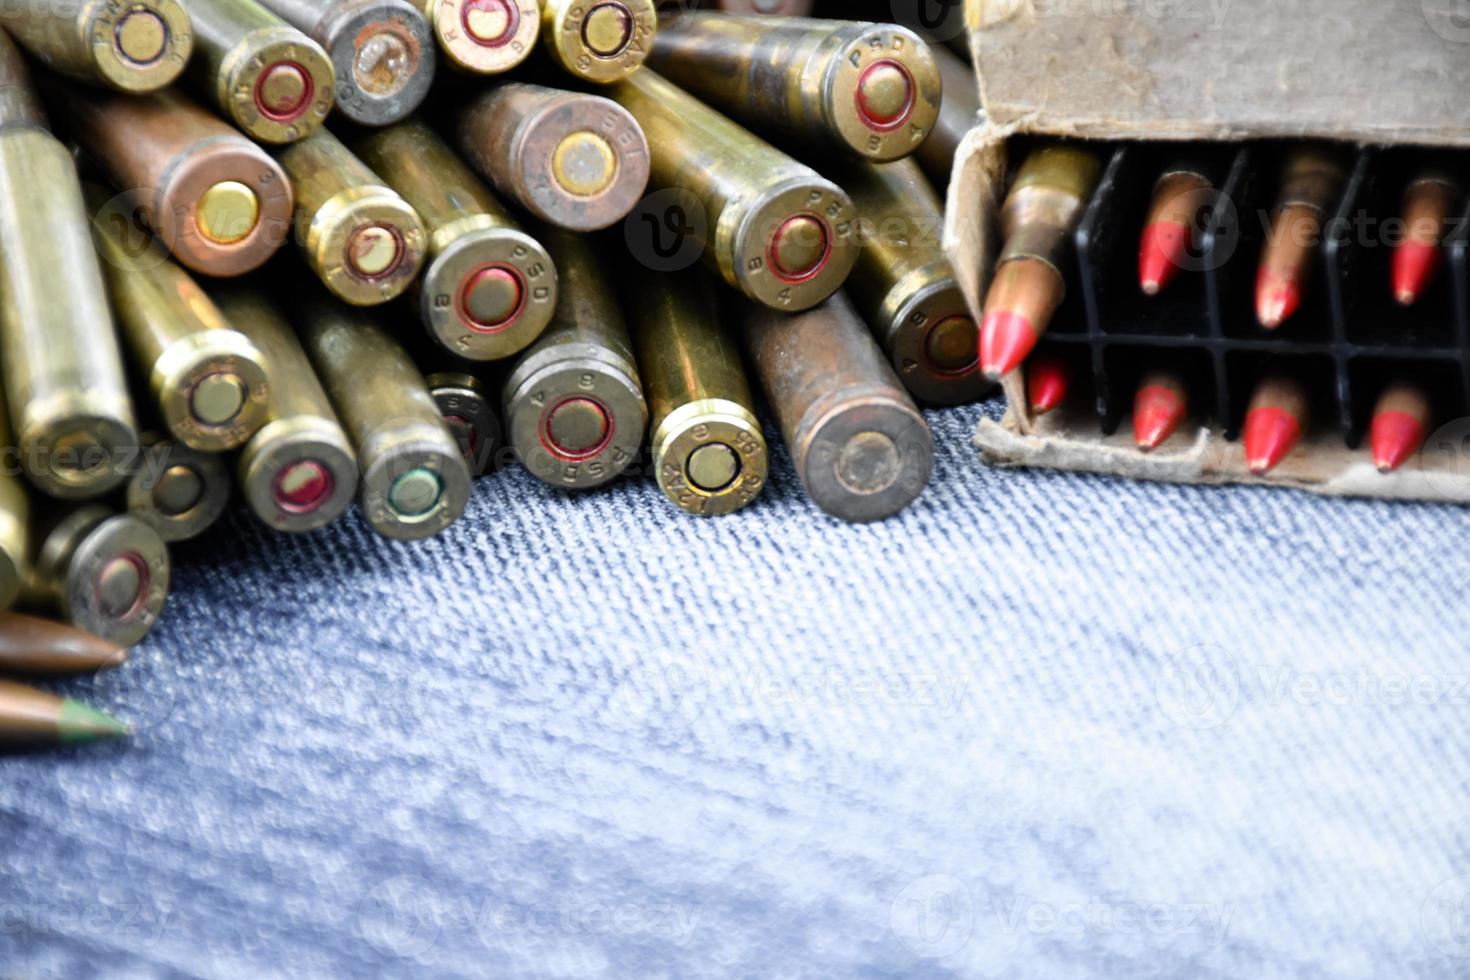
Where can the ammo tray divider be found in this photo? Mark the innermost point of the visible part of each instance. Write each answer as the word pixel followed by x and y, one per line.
pixel 1331 325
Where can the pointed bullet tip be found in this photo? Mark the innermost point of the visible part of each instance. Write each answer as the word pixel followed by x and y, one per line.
pixel 1150 287
pixel 1259 467
pixel 81 723
pixel 994 374
pixel 1406 297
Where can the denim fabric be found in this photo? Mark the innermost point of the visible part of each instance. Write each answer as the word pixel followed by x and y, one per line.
pixel 1041 725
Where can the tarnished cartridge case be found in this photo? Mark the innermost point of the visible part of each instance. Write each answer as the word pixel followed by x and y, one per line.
pixel 177 491
pixel 59 354
pixel 574 408
pixel 959 112
pixel 207 381
pixel 774 229
pixel 265 76
pixel 100 571
pixel 575 161
pixel 488 288
pixel 1046 202
pixel 599 41
pixel 467 403
pixel 134 46
pixel 862 450
pixel 15 516
pixel 218 203
pixel 360 238
pixel 872 90
pixel 414 481
pixel 905 287
pixel 709 452
pixel 299 472
pixel 382 51
pixel 485 37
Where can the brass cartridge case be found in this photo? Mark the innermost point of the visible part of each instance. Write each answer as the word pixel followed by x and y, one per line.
pixel 599 41
pixel 136 46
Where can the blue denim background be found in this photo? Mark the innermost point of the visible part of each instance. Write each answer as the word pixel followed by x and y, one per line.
pixel 1041 725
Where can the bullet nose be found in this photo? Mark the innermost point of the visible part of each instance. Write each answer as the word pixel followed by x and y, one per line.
pixel 283 90
pixel 885 94
pixel 121 585
pixel 799 247
pixel 179 490
pixel 373 251
pixel 416 493
pixel 607 29
pixel 577 426
pixel 584 163
pixel 869 463
pixel 492 297
pixel 217 398
pixel 489 22
pixel 953 345
pixel 140 36
pixel 303 486
pixel 713 467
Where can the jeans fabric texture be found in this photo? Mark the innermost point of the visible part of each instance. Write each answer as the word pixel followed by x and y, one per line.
pixel 1040 725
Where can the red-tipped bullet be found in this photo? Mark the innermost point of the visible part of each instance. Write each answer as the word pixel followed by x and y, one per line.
pixel 1158 409
pixel 1018 309
pixel 1274 423
pixel 1168 232
pixel 1311 183
pixel 1047 381
pixel 1400 426
pixel 1417 259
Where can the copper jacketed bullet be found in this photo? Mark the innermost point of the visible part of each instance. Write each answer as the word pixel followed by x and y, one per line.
pixel 137 46
pixel 573 160
pixel 1400 425
pixel 34 646
pixel 265 76
pixel 382 53
pixel 861 448
pixel 488 288
pixel 776 230
pixel 177 491
pixel 599 41
pixel 1275 422
pixel 29 717
pixel 1048 379
pixel 872 90
pixel 1426 212
pixel 1180 197
pixel 1311 182
pixel 1159 408
pixel 1037 221
pixel 299 472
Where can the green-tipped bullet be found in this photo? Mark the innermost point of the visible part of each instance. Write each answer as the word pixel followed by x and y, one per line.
pixel 30 717
pixel 31 645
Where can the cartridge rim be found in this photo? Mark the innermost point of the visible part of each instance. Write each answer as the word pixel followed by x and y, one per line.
pixel 865 456
pixel 580 375
pixel 802 203
pixel 576 34
pixel 392 487
pixel 360 43
pixel 549 131
pixel 117 580
pixel 865 72
pixel 83 433
pixel 277 84
pixel 448 279
pixel 470 416
pixel 912 330
pixel 300 447
pixel 156 501
pixel 366 244
pixel 453 22
pixel 699 428
pixel 140 46
pixel 200 366
pixel 207 240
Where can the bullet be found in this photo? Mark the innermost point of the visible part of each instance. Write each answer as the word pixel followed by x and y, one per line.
pixel 575 161
pixel 488 289
pixel 32 718
pixel 1275 422
pixel 177 491
pixel 207 382
pixel 414 482
pixel 1037 221
pixel 862 450
pixel 1047 381
pixel 1180 194
pixel 298 473
pixel 1311 182
pixel 599 41
pixel 102 572
pixel 904 285
pixel 778 232
pixel 709 452
pixel 382 53
pixel 265 76
pixel 573 403
pixel 467 403
pixel 1400 425
pixel 485 37
pixel 59 355
pixel 871 90
pixel 34 646
pixel 360 238
pixel 216 201
pixel 1159 408
pixel 137 46
pixel 1426 212
pixel 959 112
